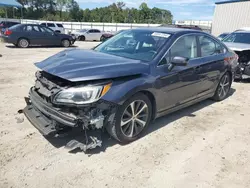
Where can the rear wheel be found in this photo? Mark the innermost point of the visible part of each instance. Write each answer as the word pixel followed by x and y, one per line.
pixel 131 119
pixel 223 88
pixel 23 43
pixel 81 38
pixel 65 43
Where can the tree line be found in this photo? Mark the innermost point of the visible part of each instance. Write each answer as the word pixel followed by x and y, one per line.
pixel 69 10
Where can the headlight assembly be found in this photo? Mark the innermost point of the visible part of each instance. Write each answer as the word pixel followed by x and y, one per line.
pixel 81 95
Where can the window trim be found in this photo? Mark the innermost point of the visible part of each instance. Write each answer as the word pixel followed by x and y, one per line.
pixel 188 34
pixel 200 35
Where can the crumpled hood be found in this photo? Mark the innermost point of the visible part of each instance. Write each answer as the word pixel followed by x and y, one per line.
pixel 237 46
pixel 84 65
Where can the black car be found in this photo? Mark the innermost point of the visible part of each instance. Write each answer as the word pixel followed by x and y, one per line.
pixel 24 35
pixel 128 81
pixel 5 25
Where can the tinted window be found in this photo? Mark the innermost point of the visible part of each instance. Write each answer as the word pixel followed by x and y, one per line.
pixel 36 28
pixel 238 38
pixel 135 44
pixel 51 25
pixel 44 24
pixel 91 31
pixel 209 46
pixel 184 47
pixel 28 28
pixel 59 25
pixel 97 31
pixel 46 30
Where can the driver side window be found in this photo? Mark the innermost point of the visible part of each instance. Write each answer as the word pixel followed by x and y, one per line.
pixel 184 47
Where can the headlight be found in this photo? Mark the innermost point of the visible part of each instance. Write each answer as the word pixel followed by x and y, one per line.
pixel 81 95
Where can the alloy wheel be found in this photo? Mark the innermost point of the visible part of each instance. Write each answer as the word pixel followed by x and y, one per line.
pixel 134 118
pixel 23 43
pixel 224 86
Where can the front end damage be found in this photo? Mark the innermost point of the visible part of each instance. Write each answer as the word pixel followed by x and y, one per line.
pixel 243 70
pixel 53 120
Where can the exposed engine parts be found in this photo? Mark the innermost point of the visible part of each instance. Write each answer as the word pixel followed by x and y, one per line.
pixel 244 64
pixel 51 119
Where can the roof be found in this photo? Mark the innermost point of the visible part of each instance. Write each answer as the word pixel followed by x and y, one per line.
pixel 9 3
pixel 169 30
pixel 232 1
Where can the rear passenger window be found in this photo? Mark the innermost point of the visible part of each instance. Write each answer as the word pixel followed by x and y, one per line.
pixel 28 28
pixel 59 25
pixel 51 25
pixel 210 47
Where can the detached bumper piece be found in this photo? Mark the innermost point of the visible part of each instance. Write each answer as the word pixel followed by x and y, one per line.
pixel 51 122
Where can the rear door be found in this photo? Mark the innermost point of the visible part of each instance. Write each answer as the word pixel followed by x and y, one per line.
pixel 212 55
pixel 98 35
pixel 33 34
pixel 90 35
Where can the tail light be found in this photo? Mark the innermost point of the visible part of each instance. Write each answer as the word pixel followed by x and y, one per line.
pixel 8 32
pixel 1 25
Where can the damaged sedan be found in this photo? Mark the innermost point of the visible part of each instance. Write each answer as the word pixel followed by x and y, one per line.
pixel 126 82
pixel 239 42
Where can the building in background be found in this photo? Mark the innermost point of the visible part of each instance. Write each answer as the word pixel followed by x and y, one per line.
pixel 230 16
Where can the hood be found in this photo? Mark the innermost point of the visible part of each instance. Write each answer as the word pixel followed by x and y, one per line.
pixel 237 46
pixel 84 65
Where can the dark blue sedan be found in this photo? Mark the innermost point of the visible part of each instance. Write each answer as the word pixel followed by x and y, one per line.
pixel 25 35
pixel 128 81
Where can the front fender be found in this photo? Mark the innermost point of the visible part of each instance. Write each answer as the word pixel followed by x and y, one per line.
pixel 123 89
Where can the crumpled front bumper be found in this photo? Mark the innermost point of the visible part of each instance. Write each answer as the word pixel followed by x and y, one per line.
pixel 45 117
pixel 50 120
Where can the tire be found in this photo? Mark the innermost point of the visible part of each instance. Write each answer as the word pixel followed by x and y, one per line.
pixel 81 38
pixel 123 133
pixel 65 43
pixel 23 43
pixel 223 87
pixel 102 38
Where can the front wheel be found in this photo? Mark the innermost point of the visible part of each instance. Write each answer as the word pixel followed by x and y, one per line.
pixel 66 43
pixel 131 119
pixel 223 88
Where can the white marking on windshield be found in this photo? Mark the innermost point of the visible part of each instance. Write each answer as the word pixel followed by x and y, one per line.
pixel 164 35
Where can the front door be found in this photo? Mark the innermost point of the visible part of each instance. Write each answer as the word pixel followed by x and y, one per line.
pixel 50 37
pixel 179 85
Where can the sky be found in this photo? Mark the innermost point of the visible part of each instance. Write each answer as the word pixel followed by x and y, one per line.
pixel 181 9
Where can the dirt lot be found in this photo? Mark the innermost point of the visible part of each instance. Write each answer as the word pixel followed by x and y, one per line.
pixel 206 145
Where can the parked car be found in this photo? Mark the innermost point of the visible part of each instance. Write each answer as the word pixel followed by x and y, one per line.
pixel 123 86
pixel 24 35
pixel 223 35
pixel 88 34
pixel 239 42
pixel 54 26
pixel 107 36
pixel 5 25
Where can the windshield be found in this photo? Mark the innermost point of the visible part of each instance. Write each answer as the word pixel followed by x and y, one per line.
pixel 135 44
pixel 238 38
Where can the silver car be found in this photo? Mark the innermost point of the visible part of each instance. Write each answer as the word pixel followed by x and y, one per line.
pixel 88 34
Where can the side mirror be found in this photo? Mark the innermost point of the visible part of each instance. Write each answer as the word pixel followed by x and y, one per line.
pixel 179 61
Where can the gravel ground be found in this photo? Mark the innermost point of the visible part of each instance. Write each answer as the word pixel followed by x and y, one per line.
pixel 206 145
